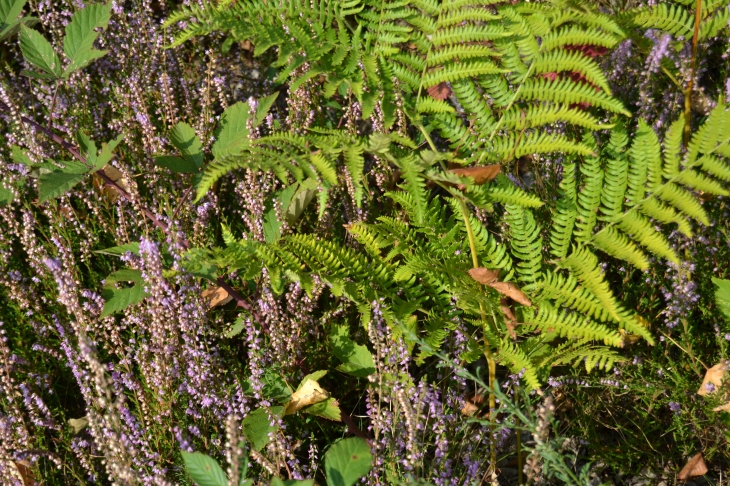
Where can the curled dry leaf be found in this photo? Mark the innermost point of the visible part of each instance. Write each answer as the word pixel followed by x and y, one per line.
pixel 489 277
pixel 308 394
pixel 510 319
pixel 469 409
pixel 440 91
pixel 714 378
pixel 695 467
pixel 217 296
pixel 511 291
pixel 480 174
pixel 484 275
pixel 25 472
pixel 114 174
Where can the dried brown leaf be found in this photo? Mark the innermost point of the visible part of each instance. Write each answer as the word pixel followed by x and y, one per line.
pixel 114 174
pixel 713 377
pixel 469 409
pixel 440 91
pixel 511 291
pixel 484 275
pixel 481 174
pixel 25 472
pixel 695 467
pixel 511 320
pixel 308 394
pixel 217 296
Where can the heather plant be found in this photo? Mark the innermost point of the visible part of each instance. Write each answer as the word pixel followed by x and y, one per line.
pixel 265 242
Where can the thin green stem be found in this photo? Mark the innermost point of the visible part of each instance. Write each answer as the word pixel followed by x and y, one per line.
pixel 688 90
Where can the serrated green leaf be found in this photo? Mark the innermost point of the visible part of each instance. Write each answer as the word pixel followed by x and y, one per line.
pixel 6 196
pixel 176 164
pixel 299 203
pixel 107 151
pixel 10 9
pixel 328 409
pixel 272 226
pixel 184 138
pixel 18 155
pixel 39 52
pixel 256 426
pixel 314 376
pixel 347 461
pixel 203 469
pixel 56 184
pixel 37 75
pixel 236 328
pixel 120 250
pixel 119 299
pixel 83 59
pixel 263 108
pixel 88 147
pixel 124 275
pixel 291 482
pixel 356 358
pixel 722 296
pixel 81 34
pixel 232 133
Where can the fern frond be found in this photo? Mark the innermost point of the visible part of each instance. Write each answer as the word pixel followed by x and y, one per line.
pixel 569 92
pixel 584 265
pixel 517 360
pixel 643 231
pixel 573 61
pixel 565 291
pixel 526 244
pixel 566 211
pixel 545 114
pixel 668 18
pixel 589 197
pixel 573 35
pixel 616 244
pixel 573 326
pixel 684 201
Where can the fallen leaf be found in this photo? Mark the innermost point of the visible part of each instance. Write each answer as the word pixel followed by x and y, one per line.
pixel 308 394
pixel 489 277
pixel 469 409
pixel 484 275
pixel 440 91
pixel 511 320
pixel 714 378
pixel 481 174
pixel 695 467
pixel 77 425
pixel 25 472
pixel 217 296
pixel 511 291
pixel 115 175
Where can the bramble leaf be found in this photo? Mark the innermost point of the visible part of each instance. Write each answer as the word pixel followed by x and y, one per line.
pixel 184 138
pixel 347 461
pixel 39 52
pixel 356 358
pixel 204 469
pixel 232 134
pixel 81 34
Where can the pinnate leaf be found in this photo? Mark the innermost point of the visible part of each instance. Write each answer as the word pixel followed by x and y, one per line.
pixel 356 358
pixel 184 138
pixel 232 134
pixel 39 52
pixel 257 426
pixel 204 469
pixel 263 108
pixel 347 461
pixel 81 33
pixel 56 184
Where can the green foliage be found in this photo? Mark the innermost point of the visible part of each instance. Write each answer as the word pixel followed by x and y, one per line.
pixel 356 359
pixel 9 21
pixel 118 299
pixel 77 44
pixel 347 461
pixel 203 469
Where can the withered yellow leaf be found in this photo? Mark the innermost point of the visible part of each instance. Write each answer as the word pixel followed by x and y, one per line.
pixel 695 467
pixel 77 425
pixel 216 296
pixel 511 291
pixel 713 378
pixel 308 394
pixel 114 174
pixel 484 275
pixel 480 174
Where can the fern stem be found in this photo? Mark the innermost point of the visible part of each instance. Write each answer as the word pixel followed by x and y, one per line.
pixel 492 365
pixel 688 90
